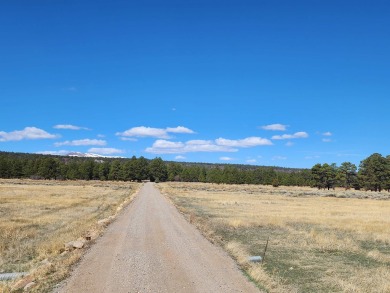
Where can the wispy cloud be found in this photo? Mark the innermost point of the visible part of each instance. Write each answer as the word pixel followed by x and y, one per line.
pixel 226 159
pixel 278 158
pixel 70 127
pixel 289 143
pixel 343 153
pixel 275 127
pixel 105 151
pixel 82 142
pixel 243 143
pixel 312 157
pixel 128 138
pixel 163 133
pixel 347 155
pixel 300 134
pixel 327 135
pixel 180 158
pixel 251 161
pixel 26 133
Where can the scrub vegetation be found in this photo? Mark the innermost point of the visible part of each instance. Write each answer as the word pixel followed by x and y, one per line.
pixel 319 240
pixel 38 217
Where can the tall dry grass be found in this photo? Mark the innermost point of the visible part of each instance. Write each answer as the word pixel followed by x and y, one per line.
pixel 38 217
pixel 320 241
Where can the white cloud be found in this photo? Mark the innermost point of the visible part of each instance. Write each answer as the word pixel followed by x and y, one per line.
pixel 326 140
pixel 169 147
pixel 105 151
pixel 26 133
pixel 251 161
pixel 128 138
pixel 243 143
pixel 300 134
pixel 278 127
pixel 328 133
pixel 180 158
pixel 101 136
pixel 166 144
pixel 206 146
pixel 277 158
pixel 162 146
pixel 199 142
pixel 81 142
pixel 142 131
pixel 179 129
pixel 69 127
pixel 289 143
pixel 226 159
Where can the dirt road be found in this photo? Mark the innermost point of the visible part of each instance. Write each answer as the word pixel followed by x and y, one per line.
pixel 152 248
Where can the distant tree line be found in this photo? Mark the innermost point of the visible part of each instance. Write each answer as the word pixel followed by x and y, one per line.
pixel 73 168
pixel 373 174
pixel 17 165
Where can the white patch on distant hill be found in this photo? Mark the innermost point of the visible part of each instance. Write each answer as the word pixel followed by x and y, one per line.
pixel 81 142
pixel 88 155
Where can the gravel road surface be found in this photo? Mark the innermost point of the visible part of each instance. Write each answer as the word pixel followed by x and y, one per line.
pixel 152 248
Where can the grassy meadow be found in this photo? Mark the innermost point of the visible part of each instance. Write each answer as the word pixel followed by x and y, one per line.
pixel 319 241
pixel 38 217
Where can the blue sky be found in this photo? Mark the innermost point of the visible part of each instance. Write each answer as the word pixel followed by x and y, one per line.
pixel 285 83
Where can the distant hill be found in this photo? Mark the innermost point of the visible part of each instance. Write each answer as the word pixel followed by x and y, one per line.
pixel 238 166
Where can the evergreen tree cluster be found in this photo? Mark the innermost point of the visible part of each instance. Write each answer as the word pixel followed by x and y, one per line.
pixel 230 174
pixel 373 174
pixel 15 165
pixel 71 168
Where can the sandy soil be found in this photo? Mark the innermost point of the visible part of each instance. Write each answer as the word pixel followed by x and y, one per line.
pixel 152 248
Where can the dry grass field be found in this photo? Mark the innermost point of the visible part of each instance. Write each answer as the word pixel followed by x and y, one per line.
pixel 38 217
pixel 319 241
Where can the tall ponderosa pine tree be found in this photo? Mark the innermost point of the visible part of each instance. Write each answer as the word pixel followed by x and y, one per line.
pixel 374 172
